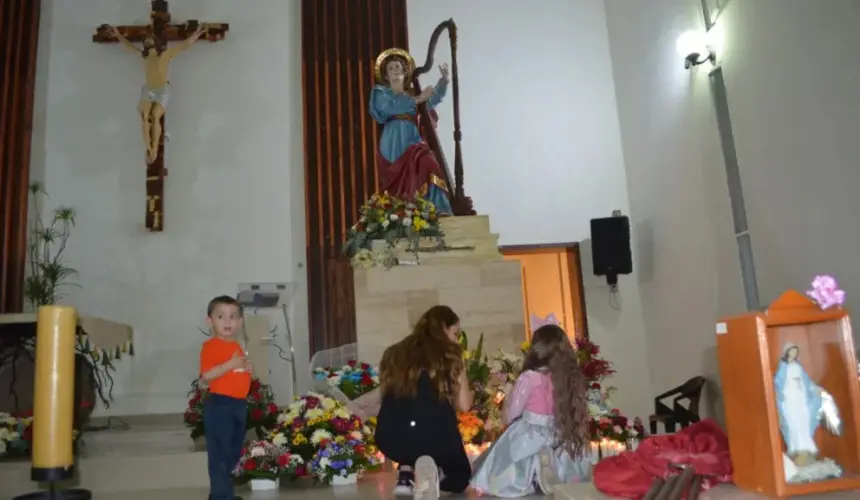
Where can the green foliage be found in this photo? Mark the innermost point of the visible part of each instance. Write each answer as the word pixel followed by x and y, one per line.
pixel 46 244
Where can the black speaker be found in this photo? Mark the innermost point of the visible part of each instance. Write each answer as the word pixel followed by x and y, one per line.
pixel 610 247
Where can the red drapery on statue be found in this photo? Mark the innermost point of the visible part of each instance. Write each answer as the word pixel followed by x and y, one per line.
pixel 413 172
pixel 703 445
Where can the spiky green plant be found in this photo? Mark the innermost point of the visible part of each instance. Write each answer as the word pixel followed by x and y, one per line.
pixel 46 243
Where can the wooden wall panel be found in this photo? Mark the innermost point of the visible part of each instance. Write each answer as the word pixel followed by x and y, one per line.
pixel 19 37
pixel 340 42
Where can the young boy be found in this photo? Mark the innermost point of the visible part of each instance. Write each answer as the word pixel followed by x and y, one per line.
pixel 226 372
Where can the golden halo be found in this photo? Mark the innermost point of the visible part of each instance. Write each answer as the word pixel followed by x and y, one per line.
pixel 385 55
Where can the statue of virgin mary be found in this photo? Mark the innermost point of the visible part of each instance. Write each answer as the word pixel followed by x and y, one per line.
pixel 799 402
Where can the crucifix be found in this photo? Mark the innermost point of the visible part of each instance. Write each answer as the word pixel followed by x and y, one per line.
pixel 152 106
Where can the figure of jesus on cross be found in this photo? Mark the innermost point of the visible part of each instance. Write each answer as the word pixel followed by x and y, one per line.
pixel 156 91
pixel 152 105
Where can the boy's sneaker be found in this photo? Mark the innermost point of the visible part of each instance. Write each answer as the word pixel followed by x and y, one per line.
pixel 405 482
pixel 426 479
pixel 547 479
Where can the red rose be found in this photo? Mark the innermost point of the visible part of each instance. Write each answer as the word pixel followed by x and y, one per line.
pixel 311 402
pixel 257 396
pixel 272 408
pixel 359 449
pixel 366 380
pixel 250 464
pixel 283 460
pixel 301 471
pixel 595 386
pixel 323 443
pixel 352 363
pixel 193 418
pixel 256 414
pixel 365 366
pixel 255 385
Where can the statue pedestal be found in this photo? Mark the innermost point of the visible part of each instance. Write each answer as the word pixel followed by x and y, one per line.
pixel 481 287
pixel 750 348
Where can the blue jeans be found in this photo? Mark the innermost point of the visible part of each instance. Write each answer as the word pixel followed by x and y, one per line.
pixel 224 421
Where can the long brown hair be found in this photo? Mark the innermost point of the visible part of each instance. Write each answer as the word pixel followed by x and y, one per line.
pixel 551 350
pixel 427 349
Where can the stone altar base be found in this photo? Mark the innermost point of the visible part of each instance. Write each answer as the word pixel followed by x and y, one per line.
pixel 481 287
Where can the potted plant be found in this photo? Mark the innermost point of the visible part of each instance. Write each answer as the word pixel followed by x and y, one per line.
pixel 46 244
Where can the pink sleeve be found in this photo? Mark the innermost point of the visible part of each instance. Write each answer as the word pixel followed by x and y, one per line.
pixel 515 402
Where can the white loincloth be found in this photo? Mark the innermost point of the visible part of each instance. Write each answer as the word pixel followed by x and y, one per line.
pixel 158 95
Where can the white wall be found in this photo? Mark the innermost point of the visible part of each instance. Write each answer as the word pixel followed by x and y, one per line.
pixel 235 194
pixel 541 142
pixel 790 90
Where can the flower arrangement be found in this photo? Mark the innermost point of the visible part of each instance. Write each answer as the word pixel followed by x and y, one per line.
pixel 262 410
pixel 10 434
pixel 354 379
pixel 615 427
pixel 326 435
pixel 484 422
pixel 826 293
pixel 388 218
pixel 265 460
pixel 471 427
pixel 16 435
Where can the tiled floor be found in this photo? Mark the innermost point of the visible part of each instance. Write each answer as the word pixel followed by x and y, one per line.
pixel 379 486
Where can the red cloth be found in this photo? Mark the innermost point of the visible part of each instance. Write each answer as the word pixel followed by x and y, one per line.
pixel 703 445
pixel 410 174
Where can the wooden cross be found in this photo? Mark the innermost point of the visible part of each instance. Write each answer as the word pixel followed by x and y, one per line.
pixel 161 31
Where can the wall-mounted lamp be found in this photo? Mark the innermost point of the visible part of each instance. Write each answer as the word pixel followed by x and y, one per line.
pixel 693 47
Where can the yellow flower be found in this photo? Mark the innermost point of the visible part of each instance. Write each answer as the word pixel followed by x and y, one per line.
pixel 299 440
pixel 339 439
pixel 418 224
pixel 371 420
pixel 467 355
pixel 525 346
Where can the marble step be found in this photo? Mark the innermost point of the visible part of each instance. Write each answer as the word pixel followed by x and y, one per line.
pixel 472 226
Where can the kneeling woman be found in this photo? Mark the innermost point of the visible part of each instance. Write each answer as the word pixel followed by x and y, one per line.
pixel 423 383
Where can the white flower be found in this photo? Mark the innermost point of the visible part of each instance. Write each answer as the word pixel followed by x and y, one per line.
pixel 385 224
pixel 634 432
pixel 346 368
pixel 375 379
pixel 320 435
pixel 328 404
pixel 618 429
pixel 297 406
pixel 366 430
pixel 356 435
pixel 324 462
pixel 258 451
pixel 296 458
pixel 314 413
pixel 407 221
pixel 333 381
pixel 393 217
pixel 279 440
pixel 341 413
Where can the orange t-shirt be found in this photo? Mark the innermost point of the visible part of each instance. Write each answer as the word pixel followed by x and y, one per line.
pixel 216 351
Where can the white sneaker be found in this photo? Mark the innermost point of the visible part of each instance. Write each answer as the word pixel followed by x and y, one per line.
pixel 547 478
pixel 405 483
pixel 426 479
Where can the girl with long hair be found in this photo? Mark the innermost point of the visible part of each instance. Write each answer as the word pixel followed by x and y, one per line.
pixel 423 384
pixel 547 411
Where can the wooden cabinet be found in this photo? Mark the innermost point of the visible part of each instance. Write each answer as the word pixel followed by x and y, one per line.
pixel 750 348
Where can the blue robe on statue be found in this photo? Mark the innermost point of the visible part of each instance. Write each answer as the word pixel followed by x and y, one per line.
pixel 812 393
pixel 407 166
